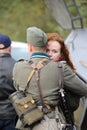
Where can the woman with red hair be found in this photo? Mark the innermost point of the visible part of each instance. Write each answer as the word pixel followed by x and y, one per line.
pixel 58 51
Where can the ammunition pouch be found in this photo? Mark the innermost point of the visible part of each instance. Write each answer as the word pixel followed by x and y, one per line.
pixel 26 108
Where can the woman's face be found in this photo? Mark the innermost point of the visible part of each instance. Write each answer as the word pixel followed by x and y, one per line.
pixel 54 50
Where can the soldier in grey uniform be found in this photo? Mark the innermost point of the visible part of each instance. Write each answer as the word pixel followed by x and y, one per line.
pixel 37 39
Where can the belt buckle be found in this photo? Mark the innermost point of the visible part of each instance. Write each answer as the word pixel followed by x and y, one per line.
pixel 46 109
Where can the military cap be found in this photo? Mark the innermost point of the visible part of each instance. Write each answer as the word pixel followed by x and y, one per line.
pixel 36 37
pixel 5 41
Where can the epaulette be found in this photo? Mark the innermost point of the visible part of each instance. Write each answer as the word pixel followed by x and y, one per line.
pixel 44 62
pixel 63 62
pixel 21 60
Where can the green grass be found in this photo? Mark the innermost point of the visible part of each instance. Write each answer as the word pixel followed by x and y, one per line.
pixel 17 15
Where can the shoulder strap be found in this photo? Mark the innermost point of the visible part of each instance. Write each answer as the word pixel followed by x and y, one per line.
pixel 38 66
pixel 36 70
pixel 60 75
pixel 63 101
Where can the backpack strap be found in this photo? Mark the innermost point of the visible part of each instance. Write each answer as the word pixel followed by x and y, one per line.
pixel 60 76
pixel 63 101
pixel 36 70
pixel 39 65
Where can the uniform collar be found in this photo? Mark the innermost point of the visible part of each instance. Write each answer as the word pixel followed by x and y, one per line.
pixel 5 55
pixel 39 54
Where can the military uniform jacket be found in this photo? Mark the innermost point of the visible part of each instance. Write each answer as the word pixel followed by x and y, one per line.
pixel 48 79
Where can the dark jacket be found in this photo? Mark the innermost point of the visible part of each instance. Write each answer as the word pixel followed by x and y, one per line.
pixel 6 86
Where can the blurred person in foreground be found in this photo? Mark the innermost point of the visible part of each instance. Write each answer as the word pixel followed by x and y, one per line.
pixel 58 51
pixel 37 40
pixel 7 112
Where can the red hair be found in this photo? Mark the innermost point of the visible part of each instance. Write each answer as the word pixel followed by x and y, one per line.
pixel 64 50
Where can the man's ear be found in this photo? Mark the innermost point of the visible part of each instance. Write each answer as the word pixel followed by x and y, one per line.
pixel 9 49
pixel 30 48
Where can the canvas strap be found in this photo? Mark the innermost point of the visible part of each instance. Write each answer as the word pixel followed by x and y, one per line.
pixel 60 75
pixel 36 69
pixel 64 104
pixel 38 66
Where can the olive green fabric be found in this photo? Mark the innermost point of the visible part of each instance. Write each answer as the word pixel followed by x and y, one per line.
pixel 46 124
pixel 48 81
pixel 26 108
pixel 36 37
